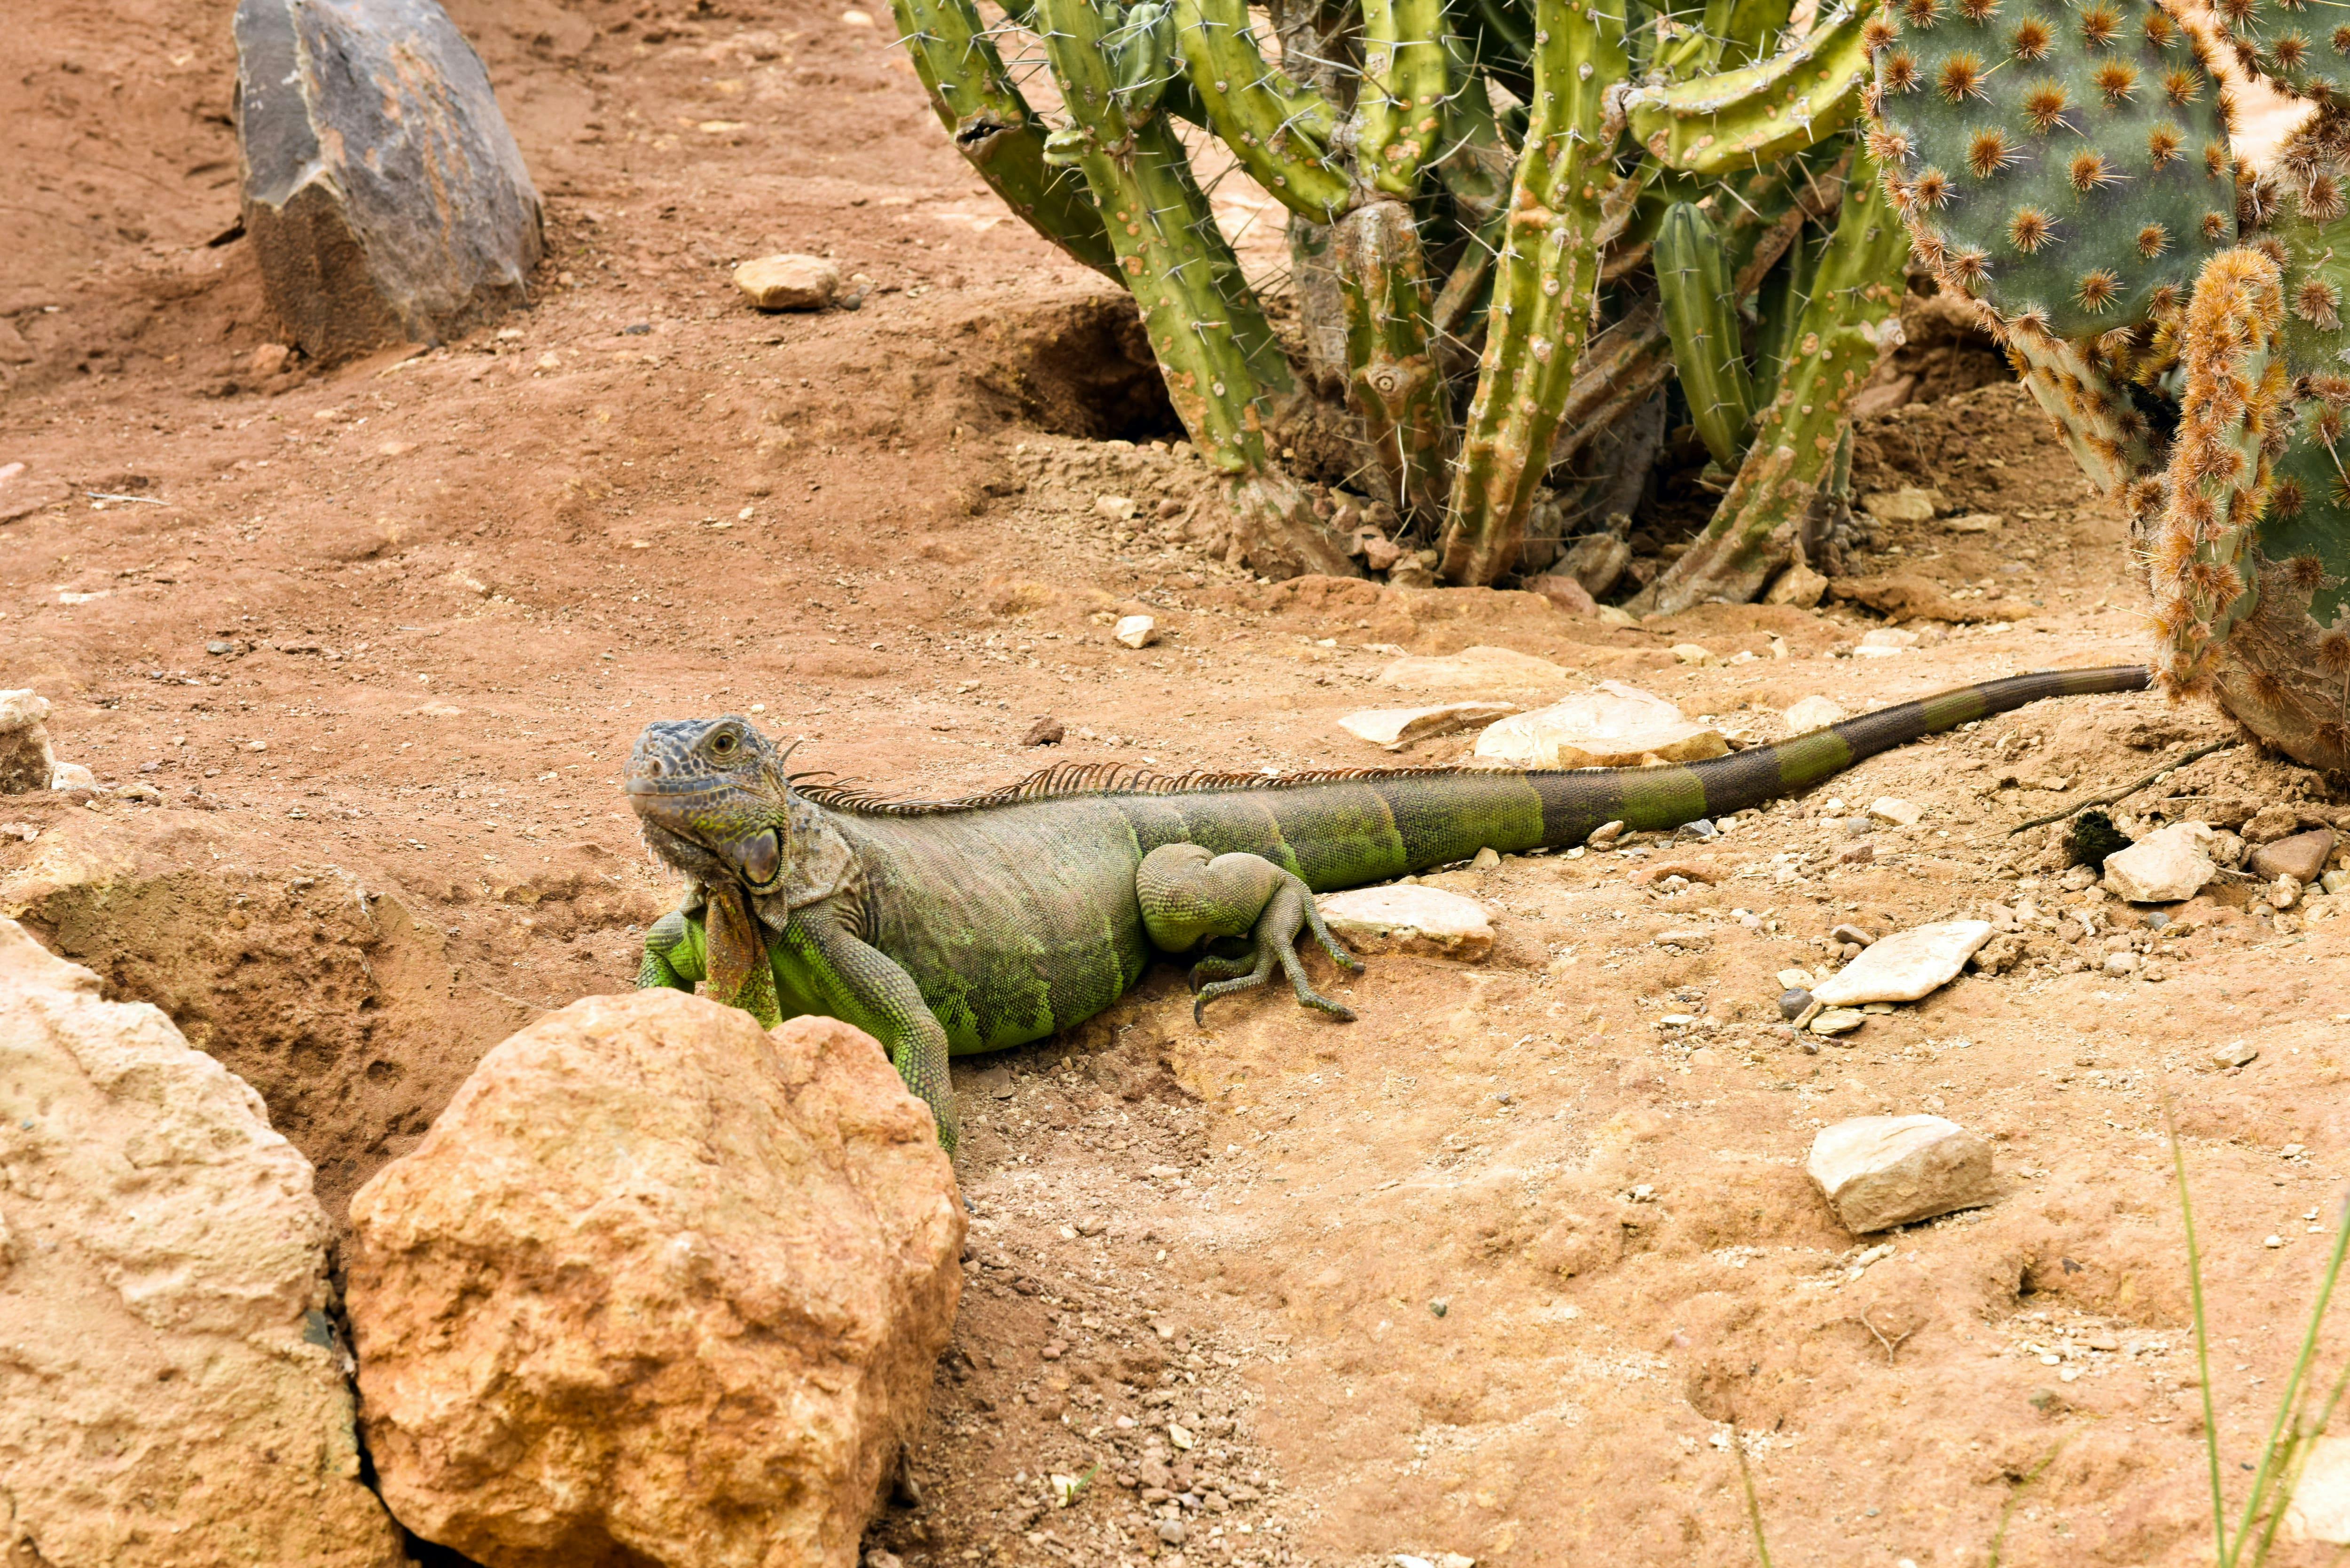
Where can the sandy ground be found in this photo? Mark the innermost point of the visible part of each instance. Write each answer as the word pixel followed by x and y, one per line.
pixel 1496 1271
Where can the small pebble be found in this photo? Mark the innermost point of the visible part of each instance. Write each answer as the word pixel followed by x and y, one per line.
pixel 1856 854
pixel 2121 963
pixel 1793 1002
pixel 1853 934
pixel 1440 1305
pixel 1837 1020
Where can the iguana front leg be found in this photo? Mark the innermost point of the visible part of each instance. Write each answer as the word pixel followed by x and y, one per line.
pixel 1188 897
pixel 860 984
pixel 726 951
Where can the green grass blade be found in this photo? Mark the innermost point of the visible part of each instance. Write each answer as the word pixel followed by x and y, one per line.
pixel 1753 1503
pixel 2203 1345
pixel 2290 1441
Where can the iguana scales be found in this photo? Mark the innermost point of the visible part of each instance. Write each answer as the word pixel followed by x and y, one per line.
pixel 949 927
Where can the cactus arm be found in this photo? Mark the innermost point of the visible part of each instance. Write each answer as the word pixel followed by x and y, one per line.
pixel 1475 162
pixel 1701 316
pixel 1279 130
pixel 1564 198
pixel 995 130
pixel 1212 341
pixel 1501 45
pixel 2092 413
pixel 1845 327
pixel 1734 119
pixel 2236 416
pixel 1399 107
pixel 1392 379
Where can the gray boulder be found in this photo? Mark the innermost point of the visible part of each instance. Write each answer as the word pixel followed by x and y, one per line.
pixel 383 193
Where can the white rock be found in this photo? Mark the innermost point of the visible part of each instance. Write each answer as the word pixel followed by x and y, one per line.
pixel 1892 808
pixel 1906 965
pixel 2121 963
pixel 788 282
pixel 1906 505
pixel 2321 1503
pixel 1473 669
pixel 1120 508
pixel 1798 585
pixel 22 707
pixel 1693 653
pixel 2167 864
pixel 1835 1020
pixel 26 762
pixel 1812 713
pixel 72 775
pixel 1889 638
pixel 1395 728
pixel 175 1392
pixel 2235 1054
pixel 1975 523
pixel 1408 917
pixel 1135 630
pixel 1881 1171
pixel 1616 726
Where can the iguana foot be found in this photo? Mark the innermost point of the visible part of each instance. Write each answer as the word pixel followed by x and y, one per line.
pixel 1188 896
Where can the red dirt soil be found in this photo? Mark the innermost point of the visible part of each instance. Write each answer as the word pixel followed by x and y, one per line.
pixel 1491 1273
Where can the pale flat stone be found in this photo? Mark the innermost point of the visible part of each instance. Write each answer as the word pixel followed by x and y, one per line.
pixel 175 1393
pixel 1906 505
pixel 1395 728
pixel 1906 965
pixel 1877 1172
pixel 2235 1054
pixel 2167 865
pixel 1835 1020
pixel 1117 508
pixel 2321 1503
pixel 1892 808
pixel 1892 639
pixel 788 282
pixel 1406 917
pixel 1693 653
pixel 1812 713
pixel 1615 726
pixel 1975 523
pixel 1474 669
pixel 1136 631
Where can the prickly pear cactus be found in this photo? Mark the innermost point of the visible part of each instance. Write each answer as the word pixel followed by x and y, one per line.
pixel 2069 165
pixel 2305 51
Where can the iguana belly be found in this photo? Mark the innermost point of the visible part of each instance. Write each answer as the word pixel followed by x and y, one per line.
pixel 1013 924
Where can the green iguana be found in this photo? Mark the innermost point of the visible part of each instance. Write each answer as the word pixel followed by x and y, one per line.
pixel 948 927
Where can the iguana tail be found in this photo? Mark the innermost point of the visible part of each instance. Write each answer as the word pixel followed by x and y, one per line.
pixel 1344 830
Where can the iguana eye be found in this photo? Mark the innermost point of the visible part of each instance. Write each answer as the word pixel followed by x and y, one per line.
pixel 723 744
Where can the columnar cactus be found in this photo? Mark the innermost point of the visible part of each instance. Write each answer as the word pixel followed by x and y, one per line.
pixel 1481 172
pixel 2147 280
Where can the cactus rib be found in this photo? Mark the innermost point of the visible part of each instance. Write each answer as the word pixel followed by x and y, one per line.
pixel 1399 104
pixel 1734 119
pixel 995 130
pixel 1565 199
pixel 1392 379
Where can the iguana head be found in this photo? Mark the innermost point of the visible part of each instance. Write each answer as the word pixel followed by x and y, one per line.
pixel 713 799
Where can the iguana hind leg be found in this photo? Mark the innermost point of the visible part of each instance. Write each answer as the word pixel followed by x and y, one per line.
pixel 1188 896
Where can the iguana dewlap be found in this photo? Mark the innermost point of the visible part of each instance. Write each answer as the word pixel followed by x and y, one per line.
pixel 949 927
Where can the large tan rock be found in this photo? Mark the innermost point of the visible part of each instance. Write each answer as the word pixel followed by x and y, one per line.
pixel 1396 917
pixel 1877 1172
pixel 657 1288
pixel 172 1392
pixel 2167 864
pixel 1616 726
pixel 1474 669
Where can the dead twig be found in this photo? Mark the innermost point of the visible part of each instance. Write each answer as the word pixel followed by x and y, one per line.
pixel 2197 754
pixel 1890 1345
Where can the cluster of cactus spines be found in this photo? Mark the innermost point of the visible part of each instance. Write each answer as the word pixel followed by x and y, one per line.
pixel 2307 52
pixel 2067 166
pixel 1393 381
pixel 2235 420
pixel 2098 420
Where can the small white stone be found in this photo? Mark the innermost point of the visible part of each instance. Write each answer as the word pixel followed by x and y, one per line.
pixel 1881 1171
pixel 1400 917
pixel 1135 630
pixel 1975 523
pixel 1692 653
pixel 1117 507
pixel 788 282
pixel 2284 893
pixel 1892 808
pixel 2234 1054
pixel 1485 859
pixel 1907 965
pixel 1474 669
pixel 2167 864
pixel 23 707
pixel 1835 1020
pixel 2121 963
pixel 72 775
pixel 1395 728
pixel 1812 713
pixel 1890 637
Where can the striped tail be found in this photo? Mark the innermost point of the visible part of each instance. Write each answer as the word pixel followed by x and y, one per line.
pixel 1344 831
